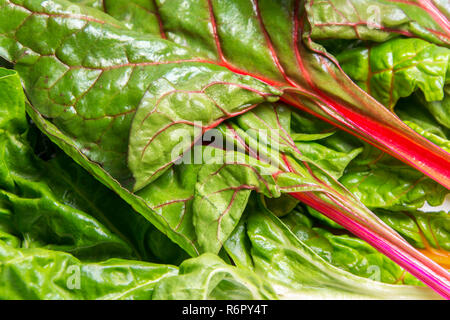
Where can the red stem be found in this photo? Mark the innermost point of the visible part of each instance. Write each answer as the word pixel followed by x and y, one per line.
pixel 432 274
pixel 412 149
pixel 381 237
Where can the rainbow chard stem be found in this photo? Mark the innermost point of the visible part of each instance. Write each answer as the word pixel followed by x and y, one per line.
pixel 390 134
pixel 344 209
pixel 333 200
pixel 335 98
pixel 350 213
pixel 429 272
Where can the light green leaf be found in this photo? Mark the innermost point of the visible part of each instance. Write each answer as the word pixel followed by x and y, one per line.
pixel 377 20
pixel 174 114
pixel 208 277
pixel 53 275
pixel 398 67
pixel 297 272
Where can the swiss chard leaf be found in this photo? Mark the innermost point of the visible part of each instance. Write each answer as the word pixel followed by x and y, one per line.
pixel 377 179
pixel 427 118
pixel 209 278
pixel 440 109
pixel 295 270
pixel 302 68
pixel 42 211
pixel 391 188
pixel 379 20
pixel 47 274
pixel 221 195
pixel 112 70
pixel 428 231
pixel 381 181
pixel 54 222
pixel 56 205
pixel 335 202
pixel 53 63
pixel 398 67
pixel 311 78
pixel 138 15
pixel 441 142
pixel 345 251
pixel 175 110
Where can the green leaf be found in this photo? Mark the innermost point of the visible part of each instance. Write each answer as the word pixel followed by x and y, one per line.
pixel 50 207
pixel 209 278
pixel 171 197
pixel 425 230
pixel 42 210
pixel 91 72
pixel 295 271
pixel 138 15
pixel 174 114
pixel 425 121
pixel 119 80
pixel 12 101
pixel 221 195
pixel 223 182
pixel 34 273
pixel 273 41
pixel 238 246
pixel 378 20
pixel 440 109
pixel 345 251
pixel 55 204
pixel 334 162
pixel 437 140
pixel 223 189
pixel 280 206
pixel 53 212
pixel 381 181
pixel 398 67
pixel 75 77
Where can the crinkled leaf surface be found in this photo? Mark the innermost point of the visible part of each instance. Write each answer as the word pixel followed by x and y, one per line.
pixel 209 278
pixel 55 204
pixel 87 58
pixel 261 118
pixel 345 251
pixel 59 62
pixel 210 198
pixel 398 67
pixel 381 181
pixel 223 189
pixel 297 272
pixel 440 109
pixel 221 195
pixel 139 15
pixel 261 38
pixel 379 20
pixel 66 142
pixel 52 212
pixel 376 178
pixel 438 140
pixel 42 211
pixel 12 116
pixel 172 111
pixel 429 119
pixel 428 231
pixel 47 274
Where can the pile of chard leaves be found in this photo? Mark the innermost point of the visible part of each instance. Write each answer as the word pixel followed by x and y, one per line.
pixel 338 113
